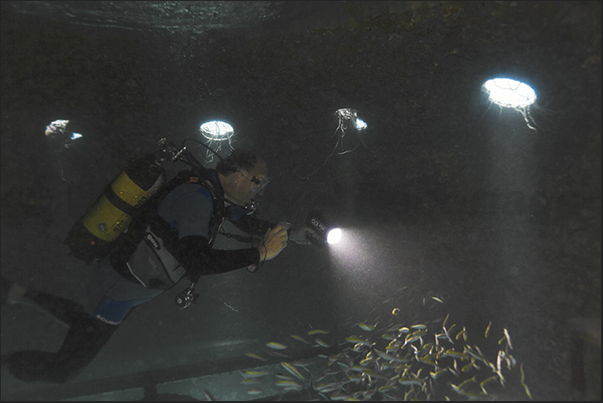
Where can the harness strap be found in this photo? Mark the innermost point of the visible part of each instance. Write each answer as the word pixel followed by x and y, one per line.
pixel 149 217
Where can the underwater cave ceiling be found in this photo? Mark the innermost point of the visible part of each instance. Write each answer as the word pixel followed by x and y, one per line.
pixel 192 16
pixel 278 70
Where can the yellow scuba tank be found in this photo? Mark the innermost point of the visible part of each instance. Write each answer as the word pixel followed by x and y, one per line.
pixel 92 236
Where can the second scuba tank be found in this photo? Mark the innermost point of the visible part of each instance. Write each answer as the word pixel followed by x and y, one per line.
pixel 92 236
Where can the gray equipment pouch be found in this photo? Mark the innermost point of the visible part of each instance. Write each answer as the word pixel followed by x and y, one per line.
pixel 152 265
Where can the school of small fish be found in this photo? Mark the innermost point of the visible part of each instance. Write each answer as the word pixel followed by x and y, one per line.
pixel 397 361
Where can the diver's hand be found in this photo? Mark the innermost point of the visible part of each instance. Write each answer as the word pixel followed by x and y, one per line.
pixel 273 243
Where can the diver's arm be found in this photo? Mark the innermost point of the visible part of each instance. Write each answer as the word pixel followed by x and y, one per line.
pixel 199 259
pixel 191 210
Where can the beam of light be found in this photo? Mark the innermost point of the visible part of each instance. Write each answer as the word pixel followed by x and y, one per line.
pixel 372 254
pixel 363 270
pixel 510 93
pixel 352 253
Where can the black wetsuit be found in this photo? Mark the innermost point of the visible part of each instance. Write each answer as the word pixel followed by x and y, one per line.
pixel 190 210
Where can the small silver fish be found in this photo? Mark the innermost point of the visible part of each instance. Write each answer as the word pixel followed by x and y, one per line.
pixel 483 383
pixel 253 374
pixel 292 370
pixel 287 384
pixel 336 396
pixel 256 356
pixel 428 361
pixel 445 320
pixel 367 327
pixel 386 388
pixel 487 329
pixel 499 359
pixel 467 382
pixel 468 367
pixel 411 381
pixel 528 392
pixel 455 354
pixel 462 333
pixel 508 337
pixel 299 338
pixel 418 333
pixel 327 387
pixel 412 339
pixel 523 378
pixel 436 374
pixel 322 343
pixel 358 347
pixel 276 346
pixel 472 353
pixel 250 381
pixel 368 372
pixel 302 364
pixel 358 340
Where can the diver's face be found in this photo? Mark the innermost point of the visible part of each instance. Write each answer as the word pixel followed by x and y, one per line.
pixel 248 184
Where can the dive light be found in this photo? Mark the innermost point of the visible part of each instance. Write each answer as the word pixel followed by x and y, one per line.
pixel 325 231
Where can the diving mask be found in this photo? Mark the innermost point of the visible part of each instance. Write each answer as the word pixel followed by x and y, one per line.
pixel 261 183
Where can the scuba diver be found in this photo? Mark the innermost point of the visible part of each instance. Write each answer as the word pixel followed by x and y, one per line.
pixel 170 239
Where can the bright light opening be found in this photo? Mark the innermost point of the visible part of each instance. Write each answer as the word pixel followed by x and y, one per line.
pixel 360 125
pixel 334 236
pixel 216 130
pixel 57 130
pixel 509 93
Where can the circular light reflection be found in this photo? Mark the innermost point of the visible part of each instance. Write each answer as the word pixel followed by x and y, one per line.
pixel 509 93
pixel 334 236
pixel 216 130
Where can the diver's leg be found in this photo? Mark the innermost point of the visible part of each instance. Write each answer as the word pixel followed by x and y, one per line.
pixel 86 337
pixel 83 342
pixel 63 309
pixel 87 333
pixel 105 278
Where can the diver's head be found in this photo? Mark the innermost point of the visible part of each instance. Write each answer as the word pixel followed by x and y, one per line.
pixel 242 175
